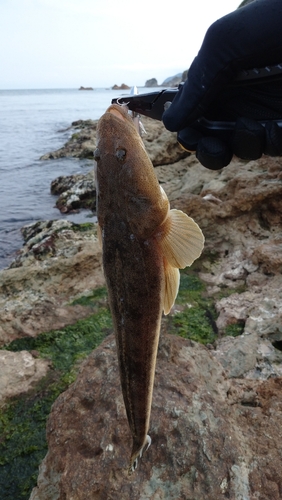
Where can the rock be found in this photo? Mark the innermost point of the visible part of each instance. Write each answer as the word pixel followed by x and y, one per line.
pixel 269 255
pixel 64 183
pixel 80 145
pixel 19 372
pixel 161 145
pixel 212 437
pixel 237 355
pixel 152 82
pixel 123 86
pixel 85 88
pixel 59 261
pixel 187 176
pixel 81 194
pixel 84 124
pixel 239 210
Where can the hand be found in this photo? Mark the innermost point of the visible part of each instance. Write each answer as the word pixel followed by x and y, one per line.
pixel 250 37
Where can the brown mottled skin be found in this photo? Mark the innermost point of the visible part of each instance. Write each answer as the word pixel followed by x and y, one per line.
pixel 131 208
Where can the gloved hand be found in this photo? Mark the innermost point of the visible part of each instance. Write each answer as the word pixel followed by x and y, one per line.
pixel 249 37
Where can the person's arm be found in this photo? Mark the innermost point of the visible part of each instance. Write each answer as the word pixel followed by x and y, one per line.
pixel 247 38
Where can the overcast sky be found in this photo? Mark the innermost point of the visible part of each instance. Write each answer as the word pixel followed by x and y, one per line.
pixel 68 43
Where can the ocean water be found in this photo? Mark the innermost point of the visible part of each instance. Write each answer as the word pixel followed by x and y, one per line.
pixel 33 122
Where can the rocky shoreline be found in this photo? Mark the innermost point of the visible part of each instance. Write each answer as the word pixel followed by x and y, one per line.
pixel 235 290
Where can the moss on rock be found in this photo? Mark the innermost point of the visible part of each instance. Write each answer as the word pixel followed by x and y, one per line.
pixel 22 422
pixel 194 314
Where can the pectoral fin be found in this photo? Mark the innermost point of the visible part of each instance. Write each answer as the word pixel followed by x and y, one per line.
pixel 172 278
pixel 181 239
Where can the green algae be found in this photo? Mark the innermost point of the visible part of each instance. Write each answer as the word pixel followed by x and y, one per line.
pixel 84 227
pixel 226 291
pixel 75 137
pixel 64 347
pixel 23 441
pixel 97 296
pixel 235 329
pixel 194 324
pixel 23 420
pixel 194 313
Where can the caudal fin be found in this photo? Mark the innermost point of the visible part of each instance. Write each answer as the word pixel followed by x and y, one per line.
pixel 135 455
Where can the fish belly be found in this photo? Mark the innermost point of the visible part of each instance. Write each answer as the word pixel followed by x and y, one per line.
pixel 134 274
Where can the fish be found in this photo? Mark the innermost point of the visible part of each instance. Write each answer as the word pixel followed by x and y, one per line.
pixel 144 244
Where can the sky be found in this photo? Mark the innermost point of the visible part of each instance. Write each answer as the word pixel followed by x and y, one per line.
pixel 99 43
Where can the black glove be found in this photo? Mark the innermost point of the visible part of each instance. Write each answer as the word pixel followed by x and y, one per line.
pixel 250 37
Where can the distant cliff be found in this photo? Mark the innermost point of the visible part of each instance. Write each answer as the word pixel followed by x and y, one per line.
pixel 171 81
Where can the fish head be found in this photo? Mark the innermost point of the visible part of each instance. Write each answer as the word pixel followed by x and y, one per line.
pixel 125 177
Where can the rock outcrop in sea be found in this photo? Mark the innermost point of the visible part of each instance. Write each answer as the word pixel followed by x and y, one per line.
pixel 152 82
pixel 123 86
pixel 217 412
pixel 85 88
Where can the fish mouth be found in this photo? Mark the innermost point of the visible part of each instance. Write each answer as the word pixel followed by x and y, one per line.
pixel 118 111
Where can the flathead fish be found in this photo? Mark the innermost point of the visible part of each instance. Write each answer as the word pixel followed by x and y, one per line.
pixel 144 244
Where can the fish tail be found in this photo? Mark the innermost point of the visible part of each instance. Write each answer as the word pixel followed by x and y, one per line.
pixel 137 453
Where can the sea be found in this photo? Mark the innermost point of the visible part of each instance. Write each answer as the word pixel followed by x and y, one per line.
pixel 34 122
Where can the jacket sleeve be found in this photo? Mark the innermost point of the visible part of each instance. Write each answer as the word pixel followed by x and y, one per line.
pixel 249 37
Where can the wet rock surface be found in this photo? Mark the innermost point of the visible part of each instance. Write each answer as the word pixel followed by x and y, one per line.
pixel 213 437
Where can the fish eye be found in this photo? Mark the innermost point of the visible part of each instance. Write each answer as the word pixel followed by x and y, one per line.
pixel 121 154
pixel 96 154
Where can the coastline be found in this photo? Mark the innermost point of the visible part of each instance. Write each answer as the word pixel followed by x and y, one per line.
pixel 37 121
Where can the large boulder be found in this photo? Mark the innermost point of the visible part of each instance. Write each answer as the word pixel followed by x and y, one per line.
pixel 213 437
